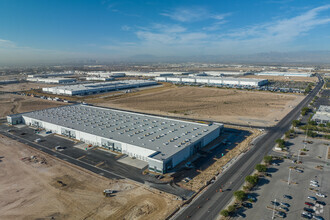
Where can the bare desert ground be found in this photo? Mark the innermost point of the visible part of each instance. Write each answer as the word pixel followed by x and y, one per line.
pixel 24 86
pixel 31 189
pixel 284 78
pixel 12 104
pixel 225 105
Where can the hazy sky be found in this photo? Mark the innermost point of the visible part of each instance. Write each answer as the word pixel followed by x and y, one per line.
pixel 33 30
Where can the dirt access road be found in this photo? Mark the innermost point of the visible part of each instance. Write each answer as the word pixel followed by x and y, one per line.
pixel 43 187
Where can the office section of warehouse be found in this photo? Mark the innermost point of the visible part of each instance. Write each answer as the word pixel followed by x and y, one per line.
pixel 162 142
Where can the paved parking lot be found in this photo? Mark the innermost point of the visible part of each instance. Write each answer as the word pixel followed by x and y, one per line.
pixel 275 187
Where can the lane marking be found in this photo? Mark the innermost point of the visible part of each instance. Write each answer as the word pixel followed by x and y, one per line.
pixel 99 164
pixel 79 158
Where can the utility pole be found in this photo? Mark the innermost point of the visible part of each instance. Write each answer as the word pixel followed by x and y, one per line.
pixel 298 156
pixel 289 176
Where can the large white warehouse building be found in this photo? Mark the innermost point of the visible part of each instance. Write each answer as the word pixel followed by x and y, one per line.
pixel 162 142
pixel 93 88
pixel 51 80
pixel 67 73
pixel 106 74
pixel 214 80
pixel 225 73
pixel 95 78
pixel 288 74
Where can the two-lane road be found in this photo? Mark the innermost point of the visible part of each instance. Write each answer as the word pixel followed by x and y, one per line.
pixel 211 202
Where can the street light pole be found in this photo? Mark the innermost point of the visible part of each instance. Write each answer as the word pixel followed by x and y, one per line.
pixel 305 138
pixel 289 177
pixel 298 156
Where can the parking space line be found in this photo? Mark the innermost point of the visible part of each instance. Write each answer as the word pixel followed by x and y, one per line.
pixel 99 164
pixel 79 158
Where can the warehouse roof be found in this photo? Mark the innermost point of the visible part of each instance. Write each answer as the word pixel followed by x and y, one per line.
pixel 165 135
pixel 215 78
pixel 88 86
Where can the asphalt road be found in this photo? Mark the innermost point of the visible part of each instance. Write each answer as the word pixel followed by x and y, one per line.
pixel 211 202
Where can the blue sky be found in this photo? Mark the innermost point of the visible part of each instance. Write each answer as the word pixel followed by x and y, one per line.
pixel 63 29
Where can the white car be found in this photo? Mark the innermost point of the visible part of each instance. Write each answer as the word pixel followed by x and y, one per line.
pixel 307 214
pixel 320 195
pixel 314 181
pixel 312 198
pixel 313 184
pixel 37 140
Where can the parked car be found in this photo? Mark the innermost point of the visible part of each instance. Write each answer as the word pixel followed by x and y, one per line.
pixel 313 184
pixel 275 203
pixel 37 140
pixel 281 214
pixel 287 196
pixel 284 208
pixel 308 214
pixel 314 181
pixel 275 164
pixel 312 198
pixel 247 205
pixel 320 202
pixel 305 216
pixel 309 210
pixel 318 217
pixel 285 204
pixel 320 195
pixel 59 148
pixel 309 204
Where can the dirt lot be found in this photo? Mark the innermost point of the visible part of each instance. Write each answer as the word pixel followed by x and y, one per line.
pixel 31 189
pixel 285 78
pixel 210 171
pixel 12 104
pixel 23 86
pixel 225 105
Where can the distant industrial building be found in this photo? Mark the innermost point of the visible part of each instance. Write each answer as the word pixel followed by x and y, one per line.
pixel 197 74
pixel 288 74
pixel 214 80
pixel 56 80
pixel 322 115
pixel 94 78
pixel 160 141
pixel 145 74
pixel 94 88
pixel 226 73
pixel 3 82
pixel 67 73
pixel 106 74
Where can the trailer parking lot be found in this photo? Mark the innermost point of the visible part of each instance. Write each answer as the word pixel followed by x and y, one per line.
pixel 300 194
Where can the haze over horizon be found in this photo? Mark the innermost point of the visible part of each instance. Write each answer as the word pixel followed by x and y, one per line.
pixel 40 31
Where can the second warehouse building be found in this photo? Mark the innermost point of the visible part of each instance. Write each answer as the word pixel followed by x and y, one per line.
pixel 214 80
pixel 162 142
